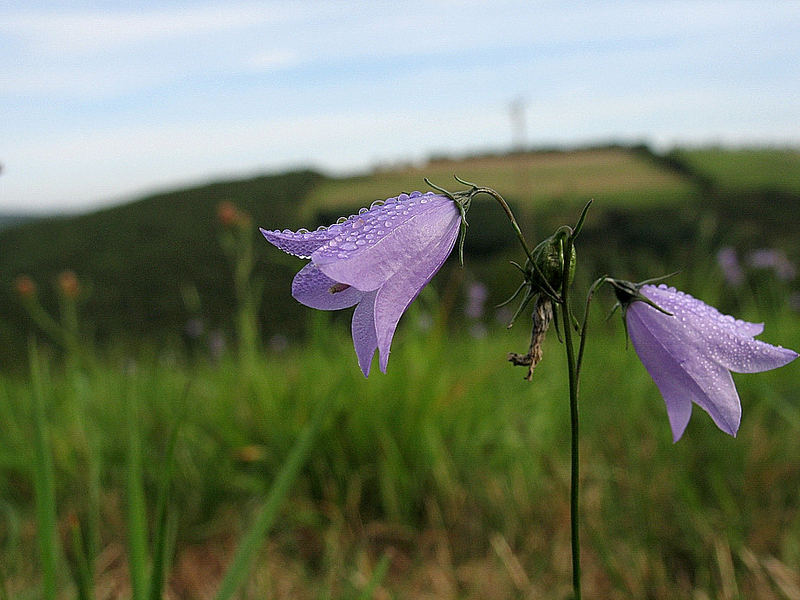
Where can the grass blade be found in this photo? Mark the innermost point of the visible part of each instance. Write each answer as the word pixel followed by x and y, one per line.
pixel 83 572
pixel 160 555
pixel 136 510
pixel 44 484
pixel 249 546
pixel 377 577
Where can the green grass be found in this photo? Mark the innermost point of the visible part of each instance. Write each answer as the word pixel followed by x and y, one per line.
pixel 534 181
pixel 746 169
pixel 450 465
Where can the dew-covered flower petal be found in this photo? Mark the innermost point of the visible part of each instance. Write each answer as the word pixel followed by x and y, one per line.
pixel 690 353
pixel 721 338
pixel 682 379
pixel 362 327
pixel 400 290
pixel 378 259
pixel 302 243
pixel 381 241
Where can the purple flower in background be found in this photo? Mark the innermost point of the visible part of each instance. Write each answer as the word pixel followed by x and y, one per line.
pixel 769 258
pixel 377 260
pixel 729 263
pixel 691 352
pixel 476 297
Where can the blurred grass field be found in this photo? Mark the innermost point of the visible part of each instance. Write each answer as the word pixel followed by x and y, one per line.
pixel 614 176
pixel 448 477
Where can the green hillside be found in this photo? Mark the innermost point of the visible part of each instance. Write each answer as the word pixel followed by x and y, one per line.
pixel 652 214
pixel 134 259
pixel 746 169
pixel 13 220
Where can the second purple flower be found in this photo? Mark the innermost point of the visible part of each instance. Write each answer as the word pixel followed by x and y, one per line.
pixel 378 260
pixel 691 352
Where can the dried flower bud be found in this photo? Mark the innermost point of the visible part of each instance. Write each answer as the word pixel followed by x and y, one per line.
pixel 25 287
pixel 227 213
pixel 68 285
pixel 542 316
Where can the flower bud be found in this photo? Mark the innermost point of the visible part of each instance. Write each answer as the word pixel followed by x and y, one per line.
pixel 548 258
pixel 68 285
pixel 25 287
pixel 227 213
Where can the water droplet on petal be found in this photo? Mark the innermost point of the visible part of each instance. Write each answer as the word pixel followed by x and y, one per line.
pixel 348 246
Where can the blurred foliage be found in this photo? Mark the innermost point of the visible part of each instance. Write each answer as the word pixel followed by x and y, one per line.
pixel 138 257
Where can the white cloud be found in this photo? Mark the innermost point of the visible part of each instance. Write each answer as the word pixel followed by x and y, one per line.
pixel 89 31
pixel 273 59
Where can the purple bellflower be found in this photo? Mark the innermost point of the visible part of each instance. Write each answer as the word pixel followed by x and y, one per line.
pixel 691 352
pixel 377 260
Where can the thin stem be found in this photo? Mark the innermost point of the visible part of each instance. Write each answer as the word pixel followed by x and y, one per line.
pixel 507 209
pixel 566 315
pixel 597 283
pixel 515 226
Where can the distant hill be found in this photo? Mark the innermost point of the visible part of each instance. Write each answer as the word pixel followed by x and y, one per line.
pixel 137 257
pixel 137 260
pixel 7 221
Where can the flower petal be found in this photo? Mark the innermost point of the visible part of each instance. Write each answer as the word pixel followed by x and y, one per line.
pixel 387 238
pixel 400 290
pixel 315 289
pixel 677 302
pixel 363 329
pixel 681 373
pixel 723 339
pixel 301 243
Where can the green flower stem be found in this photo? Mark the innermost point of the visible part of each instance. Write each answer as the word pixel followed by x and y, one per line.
pixel 507 209
pixel 566 315
pixel 597 283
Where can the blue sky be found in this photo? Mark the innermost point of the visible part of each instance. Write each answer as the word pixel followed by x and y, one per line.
pixel 100 102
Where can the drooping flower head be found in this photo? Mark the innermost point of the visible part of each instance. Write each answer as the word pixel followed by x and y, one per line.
pixel 377 260
pixel 690 348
